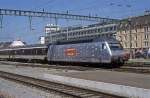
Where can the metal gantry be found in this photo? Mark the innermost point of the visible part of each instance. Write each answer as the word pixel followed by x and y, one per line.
pixel 11 12
pixel 1 21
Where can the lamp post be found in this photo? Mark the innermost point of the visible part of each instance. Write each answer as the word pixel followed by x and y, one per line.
pixel 130 37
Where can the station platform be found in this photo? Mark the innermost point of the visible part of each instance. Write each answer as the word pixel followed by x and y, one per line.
pixel 129 85
pixel 144 61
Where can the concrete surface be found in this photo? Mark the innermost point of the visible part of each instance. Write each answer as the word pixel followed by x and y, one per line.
pixel 14 90
pixel 118 83
pixel 139 60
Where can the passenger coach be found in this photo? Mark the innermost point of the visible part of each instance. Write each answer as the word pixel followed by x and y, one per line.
pixel 32 52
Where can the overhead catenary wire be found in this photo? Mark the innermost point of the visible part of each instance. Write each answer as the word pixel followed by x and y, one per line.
pixel 39 6
pixel 1 22
pixel 110 4
pixel 43 5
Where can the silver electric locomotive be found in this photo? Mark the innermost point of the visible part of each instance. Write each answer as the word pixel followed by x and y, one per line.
pixel 100 50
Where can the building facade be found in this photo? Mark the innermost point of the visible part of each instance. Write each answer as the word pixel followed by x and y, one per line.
pixel 135 33
pixel 42 40
pixel 49 29
pixel 77 33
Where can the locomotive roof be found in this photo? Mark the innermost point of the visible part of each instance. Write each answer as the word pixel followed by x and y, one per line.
pixel 86 40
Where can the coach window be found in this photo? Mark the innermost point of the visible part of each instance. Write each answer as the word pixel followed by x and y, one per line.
pixel 111 28
pixel 36 51
pixel 15 52
pixel 102 29
pixel 106 29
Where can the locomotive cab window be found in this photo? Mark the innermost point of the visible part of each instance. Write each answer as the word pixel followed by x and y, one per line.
pixel 115 46
pixel 103 46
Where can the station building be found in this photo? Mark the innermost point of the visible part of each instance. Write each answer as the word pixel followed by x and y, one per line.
pixel 136 31
pixel 5 44
pixel 49 29
pixel 15 43
pixel 79 32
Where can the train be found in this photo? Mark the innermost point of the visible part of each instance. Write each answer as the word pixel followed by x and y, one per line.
pixel 92 51
pixel 24 53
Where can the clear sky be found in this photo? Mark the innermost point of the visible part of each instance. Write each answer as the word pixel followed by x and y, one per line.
pixel 18 27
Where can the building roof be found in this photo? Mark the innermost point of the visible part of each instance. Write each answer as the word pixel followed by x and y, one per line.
pixel 138 21
pixel 4 44
pixel 17 43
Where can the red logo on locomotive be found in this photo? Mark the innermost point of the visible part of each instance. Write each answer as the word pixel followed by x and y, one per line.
pixel 71 52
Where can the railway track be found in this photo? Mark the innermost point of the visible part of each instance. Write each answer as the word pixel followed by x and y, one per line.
pixel 127 68
pixel 68 67
pixel 137 64
pixel 51 86
pixel 142 70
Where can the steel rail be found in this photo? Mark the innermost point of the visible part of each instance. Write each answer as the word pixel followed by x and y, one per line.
pixel 126 68
pixel 51 86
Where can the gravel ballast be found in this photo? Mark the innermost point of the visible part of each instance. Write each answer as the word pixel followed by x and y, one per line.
pixel 9 89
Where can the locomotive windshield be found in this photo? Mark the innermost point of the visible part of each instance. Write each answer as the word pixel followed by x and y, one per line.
pixel 115 46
